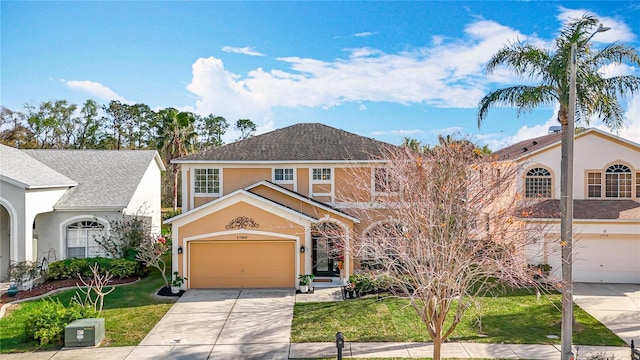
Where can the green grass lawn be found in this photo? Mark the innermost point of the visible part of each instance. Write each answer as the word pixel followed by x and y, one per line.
pixel 517 318
pixel 130 312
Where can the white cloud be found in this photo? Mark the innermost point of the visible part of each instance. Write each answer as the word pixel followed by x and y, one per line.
pixel 619 31
pixel 362 107
pixel 96 89
pixel 363 74
pixel 401 132
pixel 242 50
pixel 363 34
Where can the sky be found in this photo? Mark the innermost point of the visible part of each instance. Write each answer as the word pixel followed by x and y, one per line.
pixel 385 70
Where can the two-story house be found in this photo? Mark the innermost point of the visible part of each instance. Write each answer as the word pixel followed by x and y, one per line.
pixel 254 211
pixel 606 193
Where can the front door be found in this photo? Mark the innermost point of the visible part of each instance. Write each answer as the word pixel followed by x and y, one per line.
pixel 324 263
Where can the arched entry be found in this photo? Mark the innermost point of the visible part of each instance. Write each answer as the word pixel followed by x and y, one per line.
pixel 5 241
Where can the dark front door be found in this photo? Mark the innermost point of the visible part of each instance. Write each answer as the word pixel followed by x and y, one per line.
pixel 324 263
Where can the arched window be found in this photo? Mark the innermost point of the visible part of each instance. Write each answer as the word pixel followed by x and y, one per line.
pixel 81 239
pixel 538 183
pixel 618 181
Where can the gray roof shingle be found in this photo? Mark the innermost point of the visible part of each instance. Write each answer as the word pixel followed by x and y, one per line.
pixel 526 147
pixel 106 178
pixel 24 171
pixel 300 142
pixel 589 209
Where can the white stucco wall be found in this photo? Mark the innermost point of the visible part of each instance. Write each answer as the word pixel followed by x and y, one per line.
pixel 51 227
pixel 146 200
pixel 591 152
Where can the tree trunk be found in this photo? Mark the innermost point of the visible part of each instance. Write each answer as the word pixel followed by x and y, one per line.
pixel 437 348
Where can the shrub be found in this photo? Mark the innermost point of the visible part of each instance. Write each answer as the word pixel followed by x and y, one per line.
pixel 47 321
pixel 369 283
pixel 70 268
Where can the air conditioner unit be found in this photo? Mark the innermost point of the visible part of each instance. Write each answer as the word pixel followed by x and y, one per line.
pixel 84 332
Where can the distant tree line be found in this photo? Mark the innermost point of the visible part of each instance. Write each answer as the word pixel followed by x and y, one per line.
pixel 60 124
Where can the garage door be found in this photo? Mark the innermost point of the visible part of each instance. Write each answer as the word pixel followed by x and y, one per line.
pixel 607 260
pixel 234 264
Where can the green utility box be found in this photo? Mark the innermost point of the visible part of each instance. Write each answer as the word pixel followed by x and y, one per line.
pixel 84 332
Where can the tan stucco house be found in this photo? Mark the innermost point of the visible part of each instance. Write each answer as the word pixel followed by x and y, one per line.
pixel 53 202
pixel 606 185
pixel 254 210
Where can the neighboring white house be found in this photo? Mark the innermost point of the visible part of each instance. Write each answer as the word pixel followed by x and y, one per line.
pixel 606 185
pixel 53 202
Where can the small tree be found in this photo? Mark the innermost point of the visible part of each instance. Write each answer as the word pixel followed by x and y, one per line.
pixel 150 253
pixel 93 288
pixel 446 230
pixel 125 235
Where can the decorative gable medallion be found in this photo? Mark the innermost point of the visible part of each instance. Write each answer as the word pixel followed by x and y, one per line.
pixel 242 222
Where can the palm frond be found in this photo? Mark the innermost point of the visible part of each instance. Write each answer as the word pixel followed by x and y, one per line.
pixel 524 60
pixel 522 97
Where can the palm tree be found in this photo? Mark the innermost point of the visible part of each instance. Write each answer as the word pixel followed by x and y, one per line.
pixel 595 96
pixel 176 135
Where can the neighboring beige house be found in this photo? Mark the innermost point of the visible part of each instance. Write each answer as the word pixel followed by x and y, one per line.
pixel 254 211
pixel 606 194
pixel 53 202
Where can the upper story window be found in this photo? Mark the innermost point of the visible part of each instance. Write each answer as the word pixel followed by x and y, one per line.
pixel 618 182
pixel 283 175
pixel 383 181
pixel 538 183
pixel 323 174
pixel 206 181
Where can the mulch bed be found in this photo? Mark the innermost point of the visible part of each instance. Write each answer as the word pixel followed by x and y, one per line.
pixel 53 285
pixel 166 291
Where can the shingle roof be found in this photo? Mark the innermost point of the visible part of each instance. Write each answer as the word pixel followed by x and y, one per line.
pixel 589 209
pixel 106 178
pixel 525 147
pixel 300 142
pixel 22 170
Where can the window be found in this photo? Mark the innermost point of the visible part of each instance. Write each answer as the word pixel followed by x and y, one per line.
pixel 283 175
pixel 382 181
pixel 594 185
pixel 618 181
pixel 81 241
pixel 538 183
pixel 206 181
pixel 323 174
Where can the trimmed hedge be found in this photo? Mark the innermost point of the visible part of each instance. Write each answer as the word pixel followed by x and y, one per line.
pixel 368 283
pixel 70 268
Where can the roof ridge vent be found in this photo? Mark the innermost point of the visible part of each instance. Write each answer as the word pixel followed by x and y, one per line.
pixel 524 149
pixel 534 142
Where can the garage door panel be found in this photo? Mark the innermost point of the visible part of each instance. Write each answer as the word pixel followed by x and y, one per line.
pixel 607 260
pixel 232 264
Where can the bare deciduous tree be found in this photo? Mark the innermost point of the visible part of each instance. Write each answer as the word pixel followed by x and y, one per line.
pixel 150 253
pixel 446 229
pixel 94 287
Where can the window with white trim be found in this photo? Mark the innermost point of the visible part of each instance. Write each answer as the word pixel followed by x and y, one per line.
pixel 383 183
pixel 81 239
pixel 618 181
pixel 206 181
pixel 538 183
pixel 321 174
pixel 284 175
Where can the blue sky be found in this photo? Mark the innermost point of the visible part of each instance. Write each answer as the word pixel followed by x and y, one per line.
pixel 380 69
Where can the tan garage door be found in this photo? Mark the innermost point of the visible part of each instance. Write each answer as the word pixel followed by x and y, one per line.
pixel 234 264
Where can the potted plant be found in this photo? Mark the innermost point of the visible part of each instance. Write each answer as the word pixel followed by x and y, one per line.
pixel 177 282
pixel 305 282
pixel 13 289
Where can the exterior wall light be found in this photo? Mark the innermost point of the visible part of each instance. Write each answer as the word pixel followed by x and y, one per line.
pixel 179 249
pixel 302 249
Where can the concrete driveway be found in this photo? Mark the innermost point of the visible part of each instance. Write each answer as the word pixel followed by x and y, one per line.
pixel 223 324
pixel 617 306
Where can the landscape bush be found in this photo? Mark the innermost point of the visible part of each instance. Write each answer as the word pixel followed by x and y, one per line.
pixel 46 322
pixel 71 268
pixel 369 283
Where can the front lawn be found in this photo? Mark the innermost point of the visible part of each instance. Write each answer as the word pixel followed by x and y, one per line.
pixel 130 312
pixel 517 318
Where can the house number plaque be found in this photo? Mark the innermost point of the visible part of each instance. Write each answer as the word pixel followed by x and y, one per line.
pixel 242 222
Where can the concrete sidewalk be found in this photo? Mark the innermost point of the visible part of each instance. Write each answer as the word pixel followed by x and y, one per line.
pixel 328 350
